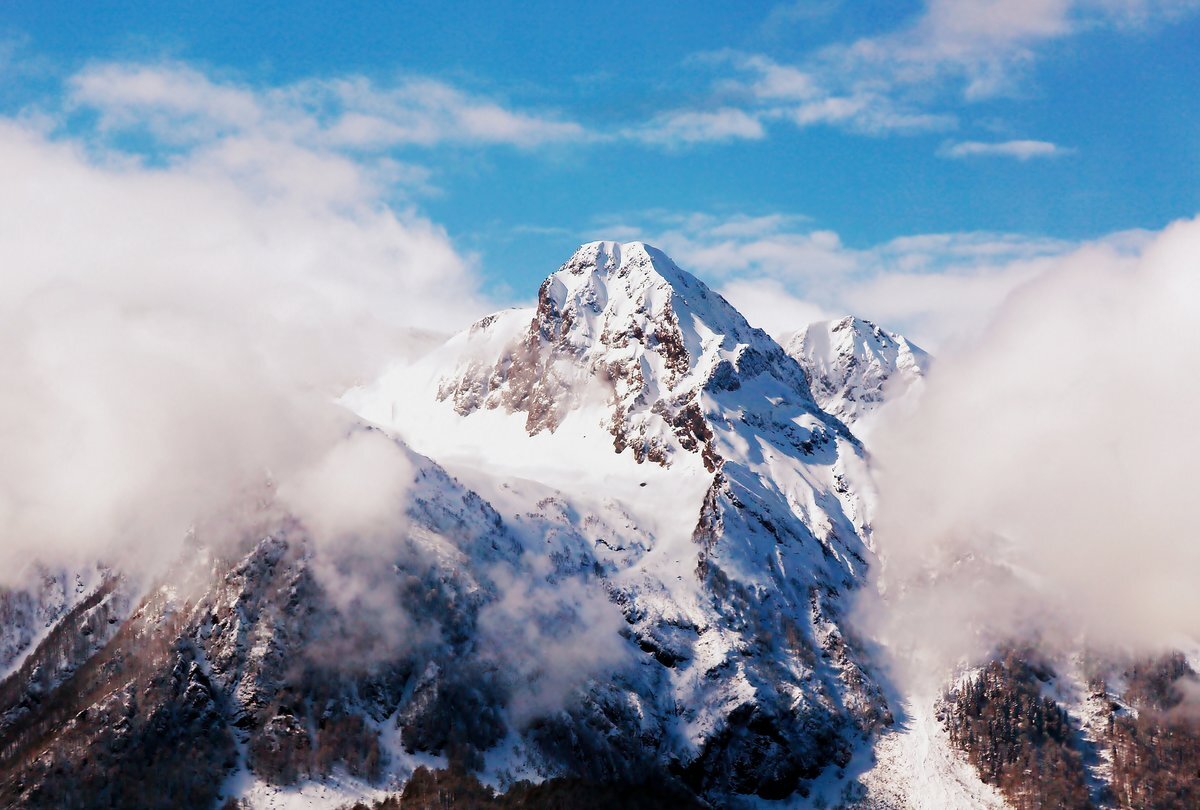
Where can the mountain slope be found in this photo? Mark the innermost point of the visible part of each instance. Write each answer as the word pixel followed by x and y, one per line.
pixel 275 654
pixel 28 614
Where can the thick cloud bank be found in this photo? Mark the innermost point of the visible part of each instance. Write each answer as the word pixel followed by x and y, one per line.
pixel 1043 488
pixel 172 335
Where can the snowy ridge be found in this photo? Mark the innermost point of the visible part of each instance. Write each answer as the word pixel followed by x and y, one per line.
pixel 855 366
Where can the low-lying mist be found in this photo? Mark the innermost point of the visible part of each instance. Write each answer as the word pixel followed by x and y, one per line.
pixel 1041 487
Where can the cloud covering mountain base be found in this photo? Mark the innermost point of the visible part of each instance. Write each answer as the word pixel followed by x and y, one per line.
pixel 1041 490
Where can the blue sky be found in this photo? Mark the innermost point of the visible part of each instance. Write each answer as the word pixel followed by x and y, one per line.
pixel 768 147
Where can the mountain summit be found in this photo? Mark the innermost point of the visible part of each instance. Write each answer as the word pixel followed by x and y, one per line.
pixel 855 366
pixel 625 323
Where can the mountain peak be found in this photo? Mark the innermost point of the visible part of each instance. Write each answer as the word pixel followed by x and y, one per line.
pixel 613 295
pixel 631 278
pixel 611 256
pixel 622 324
pixel 632 263
pixel 854 366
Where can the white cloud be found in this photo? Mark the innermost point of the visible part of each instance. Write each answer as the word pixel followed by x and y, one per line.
pixel 181 105
pixel 984 47
pixel 782 272
pixel 821 94
pixel 174 100
pixel 776 81
pixel 684 127
pixel 770 305
pixel 1041 490
pixel 547 640
pixel 1019 149
pixel 911 79
pixel 905 81
pixel 426 112
pixel 353 494
pixel 868 113
pixel 970 29
pixel 975 28
pixel 172 335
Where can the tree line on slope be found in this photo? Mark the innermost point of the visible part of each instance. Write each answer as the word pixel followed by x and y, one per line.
pixel 1022 742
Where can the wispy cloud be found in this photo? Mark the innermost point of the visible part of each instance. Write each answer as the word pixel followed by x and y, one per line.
pixel 983 48
pixel 817 95
pixel 180 104
pixel 869 114
pixel 1018 149
pixel 784 273
pixel 685 127
pixel 915 78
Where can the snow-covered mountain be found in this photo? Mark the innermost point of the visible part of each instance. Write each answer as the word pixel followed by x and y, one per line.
pixel 626 547
pixel 640 428
pixel 855 366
